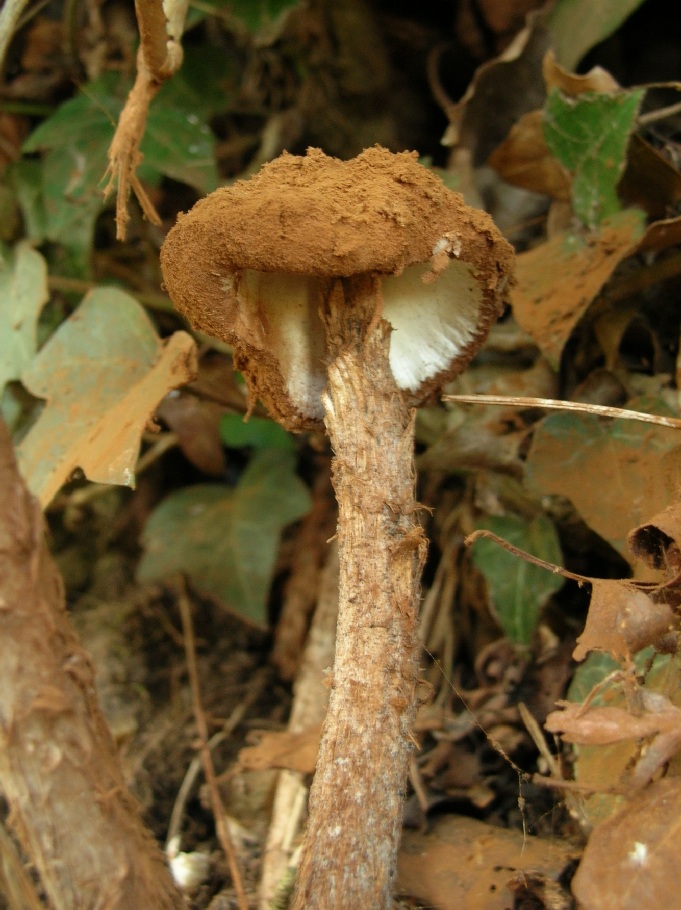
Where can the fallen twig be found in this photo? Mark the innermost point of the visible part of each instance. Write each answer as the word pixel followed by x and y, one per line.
pixel 554 404
pixel 222 828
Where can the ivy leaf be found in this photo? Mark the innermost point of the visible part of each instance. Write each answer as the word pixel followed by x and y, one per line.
pixel 75 140
pixel 576 26
pixel 102 372
pixel 226 540
pixel 518 589
pixel 262 19
pixel 256 432
pixel 589 135
pixel 23 293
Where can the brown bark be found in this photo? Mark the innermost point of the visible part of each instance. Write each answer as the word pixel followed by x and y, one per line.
pixel 353 832
pixel 69 806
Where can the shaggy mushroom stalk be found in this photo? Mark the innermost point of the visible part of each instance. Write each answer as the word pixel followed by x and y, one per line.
pixel 407 281
pixel 356 797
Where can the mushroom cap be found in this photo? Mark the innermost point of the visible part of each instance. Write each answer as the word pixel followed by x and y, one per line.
pixel 322 218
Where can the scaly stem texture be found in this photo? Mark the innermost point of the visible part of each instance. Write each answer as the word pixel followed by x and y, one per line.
pixel 69 806
pixel 353 832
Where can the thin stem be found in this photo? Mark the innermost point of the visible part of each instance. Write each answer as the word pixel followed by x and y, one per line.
pixel 661 114
pixel 192 772
pixel 553 404
pixel 202 727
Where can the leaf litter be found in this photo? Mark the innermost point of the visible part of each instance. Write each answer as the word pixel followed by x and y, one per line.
pixel 586 284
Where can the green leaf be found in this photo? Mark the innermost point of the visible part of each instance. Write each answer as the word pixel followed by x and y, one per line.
pixel 102 372
pixel 519 589
pixel 576 26
pixel 589 136
pixel 23 293
pixel 612 471
pixel 178 145
pixel 226 540
pixel 205 85
pixel 26 177
pixel 258 15
pixel 598 666
pixel 256 432
pixel 261 18
pixel 75 140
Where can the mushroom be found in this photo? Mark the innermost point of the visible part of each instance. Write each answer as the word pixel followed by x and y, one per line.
pixel 350 291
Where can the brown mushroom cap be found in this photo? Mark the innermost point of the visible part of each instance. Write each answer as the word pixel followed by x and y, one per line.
pixel 380 213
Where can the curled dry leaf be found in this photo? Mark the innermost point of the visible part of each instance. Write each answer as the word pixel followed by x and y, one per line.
pixel 502 90
pixel 597 80
pixel 606 725
pixel 523 159
pixel 657 542
pixel 631 860
pixel 196 423
pixel 292 751
pixel 648 731
pixel 549 310
pixel 623 619
pixel 465 864
pixel 102 372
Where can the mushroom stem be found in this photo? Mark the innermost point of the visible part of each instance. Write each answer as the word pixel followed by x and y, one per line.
pixel 350 851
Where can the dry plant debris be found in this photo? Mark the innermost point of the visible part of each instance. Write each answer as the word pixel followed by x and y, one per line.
pixel 577 159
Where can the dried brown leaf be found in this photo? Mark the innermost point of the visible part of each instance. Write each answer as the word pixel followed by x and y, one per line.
pixel 465 864
pixel 631 860
pixel 607 725
pixel 502 91
pixel 549 310
pixel 596 80
pixel 523 159
pixel 622 619
pixel 293 751
pixel 196 423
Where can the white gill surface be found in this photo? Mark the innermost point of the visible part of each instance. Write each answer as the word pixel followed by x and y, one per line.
pixel 433 322
pixel 288 309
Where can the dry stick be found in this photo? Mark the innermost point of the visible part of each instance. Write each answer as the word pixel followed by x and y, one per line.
pixel 302 590
pixel 574 805
pixel 484 534
pixel 349 855
pixel 202 728
pixel 310 699
pixel 254 690
pixel 599 410
pixel 69 806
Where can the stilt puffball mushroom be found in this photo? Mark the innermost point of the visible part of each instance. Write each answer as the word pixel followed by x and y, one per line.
pixel 350 291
